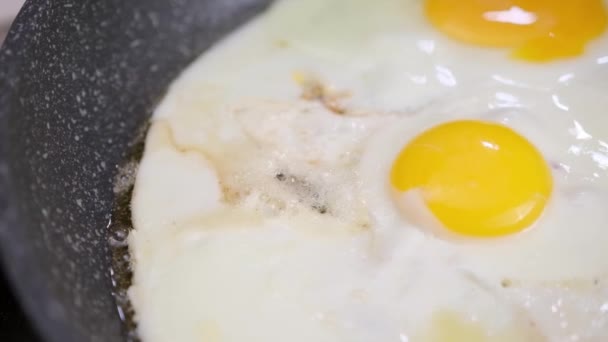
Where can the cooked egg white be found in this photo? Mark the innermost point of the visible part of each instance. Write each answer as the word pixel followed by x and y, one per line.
pixel 264 210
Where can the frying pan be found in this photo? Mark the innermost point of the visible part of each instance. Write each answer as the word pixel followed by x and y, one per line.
pixel 78 82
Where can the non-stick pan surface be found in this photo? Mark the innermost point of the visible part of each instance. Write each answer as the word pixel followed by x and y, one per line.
pixel 78 81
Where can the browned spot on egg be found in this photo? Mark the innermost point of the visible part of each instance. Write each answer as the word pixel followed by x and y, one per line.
pixel 506 283
pixel 313 89
pixel 365 225
pixel 307 191
pixel 322 209
pixel 231 185
pixel 232 195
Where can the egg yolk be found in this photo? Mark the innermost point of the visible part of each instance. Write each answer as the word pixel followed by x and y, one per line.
pixel 536 30
pixel 478 179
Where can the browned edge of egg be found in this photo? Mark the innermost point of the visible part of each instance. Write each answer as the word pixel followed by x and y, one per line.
pixel 119 227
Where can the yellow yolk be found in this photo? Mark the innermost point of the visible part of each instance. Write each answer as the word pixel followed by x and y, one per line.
pixel 536 30
pixel 478 179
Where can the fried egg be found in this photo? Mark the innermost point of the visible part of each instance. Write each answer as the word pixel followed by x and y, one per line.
pixel 397 170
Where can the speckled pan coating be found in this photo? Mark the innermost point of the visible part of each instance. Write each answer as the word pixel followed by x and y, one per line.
pixel 78 80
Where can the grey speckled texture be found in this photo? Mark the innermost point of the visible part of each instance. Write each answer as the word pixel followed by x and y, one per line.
pixel 78 78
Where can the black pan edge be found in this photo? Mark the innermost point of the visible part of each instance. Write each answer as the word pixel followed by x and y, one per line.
pixel 78 78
